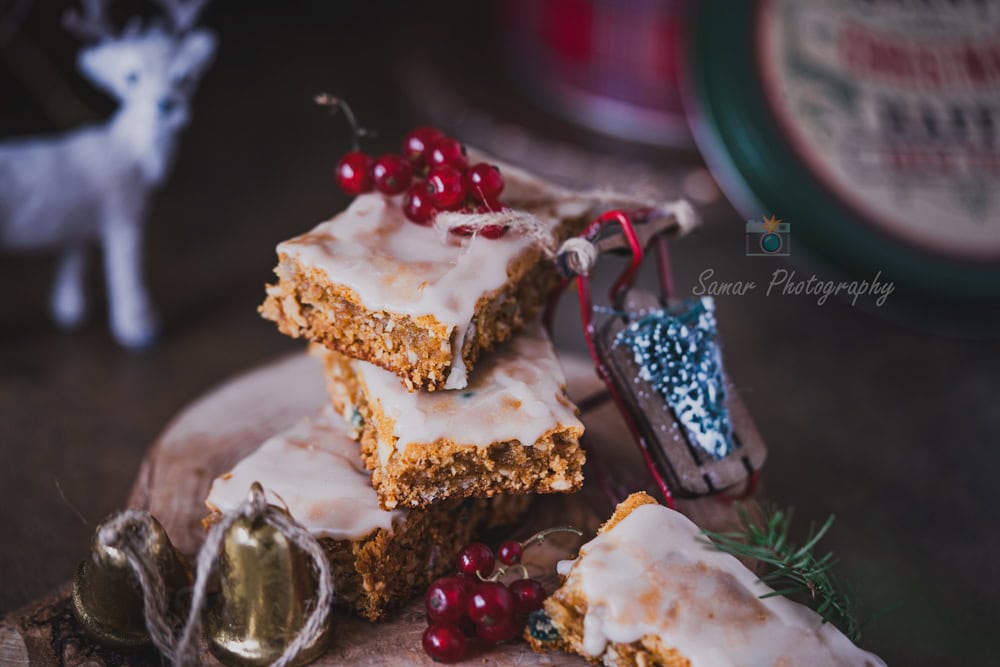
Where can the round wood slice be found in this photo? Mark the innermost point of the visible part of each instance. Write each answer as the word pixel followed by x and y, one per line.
pixel 212 434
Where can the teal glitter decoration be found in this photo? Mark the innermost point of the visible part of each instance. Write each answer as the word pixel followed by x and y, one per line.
pixel 357 424
pixel 677 352
pixel 540 626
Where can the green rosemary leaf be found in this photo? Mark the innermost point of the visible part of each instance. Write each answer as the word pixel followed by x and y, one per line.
pixel 783 592
pixel 807 547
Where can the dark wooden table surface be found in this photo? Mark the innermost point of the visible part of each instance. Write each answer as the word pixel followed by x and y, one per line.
pixel 891 428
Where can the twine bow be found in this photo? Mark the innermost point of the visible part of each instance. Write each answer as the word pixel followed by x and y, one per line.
pixel 255 507
pixel 128 533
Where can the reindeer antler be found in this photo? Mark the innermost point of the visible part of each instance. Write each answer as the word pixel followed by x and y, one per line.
pixel 93 23
pixel 183 14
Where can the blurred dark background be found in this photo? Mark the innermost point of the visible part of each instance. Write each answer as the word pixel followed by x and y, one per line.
pixel 872 416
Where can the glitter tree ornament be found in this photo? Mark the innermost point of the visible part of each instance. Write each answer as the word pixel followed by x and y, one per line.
pixel 676 350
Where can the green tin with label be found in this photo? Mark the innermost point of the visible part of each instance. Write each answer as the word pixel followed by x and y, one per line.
pixel 871 129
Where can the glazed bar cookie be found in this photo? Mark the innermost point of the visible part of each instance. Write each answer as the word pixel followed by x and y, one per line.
pixel 414 299
pixel 511 430
pixel 648 590
pixel 378 558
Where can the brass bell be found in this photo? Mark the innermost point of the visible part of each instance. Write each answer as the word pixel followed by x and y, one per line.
pixel 107 598
pixel 266 587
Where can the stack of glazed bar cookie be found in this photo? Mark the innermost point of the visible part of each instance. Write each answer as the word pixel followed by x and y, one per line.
pixel 447 403
pixel 406 317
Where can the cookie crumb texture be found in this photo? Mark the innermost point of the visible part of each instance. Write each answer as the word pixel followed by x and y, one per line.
pixel 424 474
pixel 383 571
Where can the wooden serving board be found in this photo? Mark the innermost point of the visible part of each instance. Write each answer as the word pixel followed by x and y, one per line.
pixel 208 437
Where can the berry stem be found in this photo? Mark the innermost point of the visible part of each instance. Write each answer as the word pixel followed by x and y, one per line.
pixel 540 536
pixel 502 571
pixel 335 104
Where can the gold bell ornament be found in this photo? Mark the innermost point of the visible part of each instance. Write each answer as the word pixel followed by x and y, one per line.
pixel 130 552
pixel 275 587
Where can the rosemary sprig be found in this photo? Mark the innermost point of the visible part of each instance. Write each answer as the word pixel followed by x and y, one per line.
pixel 791 570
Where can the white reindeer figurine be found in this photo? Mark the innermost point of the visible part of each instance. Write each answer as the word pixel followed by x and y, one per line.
pixel 93 183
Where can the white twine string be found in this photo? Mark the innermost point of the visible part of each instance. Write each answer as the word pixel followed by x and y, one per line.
pixel 541 231
pixel 253 508
pixel 579 254
pixel 129 532
pixel 681 209
pixel 685 215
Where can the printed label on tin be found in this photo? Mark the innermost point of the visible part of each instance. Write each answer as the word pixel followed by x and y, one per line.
pixel 896 107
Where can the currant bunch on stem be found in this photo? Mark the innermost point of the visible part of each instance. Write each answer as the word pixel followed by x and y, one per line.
pixel 432 172
pixel 444 181
pixel 474 605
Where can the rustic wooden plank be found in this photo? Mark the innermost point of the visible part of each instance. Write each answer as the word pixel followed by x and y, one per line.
pixel 13 652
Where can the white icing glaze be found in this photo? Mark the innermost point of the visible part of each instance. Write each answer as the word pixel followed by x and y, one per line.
pixel 652 575
pixel 396 265
pixel 315 471
pixel 515 394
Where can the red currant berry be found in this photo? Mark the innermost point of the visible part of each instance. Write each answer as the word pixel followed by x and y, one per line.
pixel 491 603
pixel 484 183
pixel 354 173
pixel 492 231
pixel 447 151
pixel 476 557
pixel 528 595
pixel 446 599
pixel 444 643
pixel 417 144
pixel 417 205
pixel 503 632
pixel 486 231
pixel 510 552
pixel 391 174
pixel 467 627
pixel 445 188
